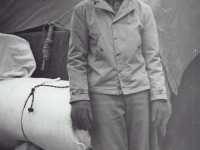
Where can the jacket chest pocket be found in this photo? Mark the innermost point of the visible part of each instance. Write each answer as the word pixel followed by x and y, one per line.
pixel 98 53
pixel 132 28
pixel 96 44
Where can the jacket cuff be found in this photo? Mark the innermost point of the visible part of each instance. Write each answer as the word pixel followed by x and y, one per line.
pixel 78 97
pixel 158 94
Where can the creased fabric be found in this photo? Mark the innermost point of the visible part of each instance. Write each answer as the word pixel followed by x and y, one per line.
pixel 58 55
pixel 16 58
pixel 114 55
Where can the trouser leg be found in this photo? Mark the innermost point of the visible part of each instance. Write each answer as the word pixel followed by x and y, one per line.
pixel 108 128
pixel 137 120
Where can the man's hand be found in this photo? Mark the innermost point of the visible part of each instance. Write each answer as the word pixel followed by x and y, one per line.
pixel 161 112
pixel 81 115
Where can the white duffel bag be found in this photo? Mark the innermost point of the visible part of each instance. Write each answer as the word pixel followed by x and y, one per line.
pixel 48 124
pixel 16 57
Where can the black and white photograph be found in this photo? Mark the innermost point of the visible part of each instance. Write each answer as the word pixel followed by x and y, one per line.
pixel 99 75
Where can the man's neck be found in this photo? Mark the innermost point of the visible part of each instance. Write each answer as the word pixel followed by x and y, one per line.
pixel 115 4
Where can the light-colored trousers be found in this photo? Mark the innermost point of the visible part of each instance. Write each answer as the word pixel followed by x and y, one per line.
pixel 121 122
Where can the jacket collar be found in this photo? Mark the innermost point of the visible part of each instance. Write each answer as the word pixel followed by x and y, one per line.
pixel 102 4
pixel 126 7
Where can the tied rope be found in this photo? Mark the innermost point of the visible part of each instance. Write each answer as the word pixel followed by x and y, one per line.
pixel 49 41
pixel 47 46
pixel 30 109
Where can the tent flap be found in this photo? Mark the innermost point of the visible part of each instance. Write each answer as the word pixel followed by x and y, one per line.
pixel 18 15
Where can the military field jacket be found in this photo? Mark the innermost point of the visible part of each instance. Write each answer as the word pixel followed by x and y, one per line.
pixel 114 54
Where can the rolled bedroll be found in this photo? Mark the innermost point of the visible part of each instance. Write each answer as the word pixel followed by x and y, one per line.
pixel 38 110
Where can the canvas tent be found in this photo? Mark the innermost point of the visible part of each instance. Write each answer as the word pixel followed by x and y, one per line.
pixel 20 15
pixel 29 20
pixel 177 23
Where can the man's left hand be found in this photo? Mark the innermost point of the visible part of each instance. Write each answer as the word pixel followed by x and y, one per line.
pixel 161 112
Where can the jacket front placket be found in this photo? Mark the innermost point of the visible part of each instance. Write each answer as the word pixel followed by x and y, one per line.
pixel 126 7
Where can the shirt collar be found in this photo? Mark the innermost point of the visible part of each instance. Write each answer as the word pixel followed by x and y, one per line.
pixel 128 3
pixel 112 0
pixel 126 7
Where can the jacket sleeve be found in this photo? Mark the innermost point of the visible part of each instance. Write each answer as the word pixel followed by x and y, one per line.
pixel 151 54
pixel 77 56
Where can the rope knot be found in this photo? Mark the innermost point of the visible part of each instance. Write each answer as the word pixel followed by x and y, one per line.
pixel 30 109
pixel 32 91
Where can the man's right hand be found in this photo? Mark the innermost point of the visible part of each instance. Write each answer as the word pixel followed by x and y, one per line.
pixel 81 115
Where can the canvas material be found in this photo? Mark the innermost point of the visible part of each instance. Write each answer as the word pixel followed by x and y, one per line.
pixel 16 58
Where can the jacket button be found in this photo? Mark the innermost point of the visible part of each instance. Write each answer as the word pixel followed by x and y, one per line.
pixel 116 38
pixel 139 47
pixel 160 91
pixel 101 49
pixel 119 88
pixel 80 91
pixel 118 54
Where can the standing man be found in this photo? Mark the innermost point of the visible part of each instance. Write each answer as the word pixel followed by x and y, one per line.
pixel 117 84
